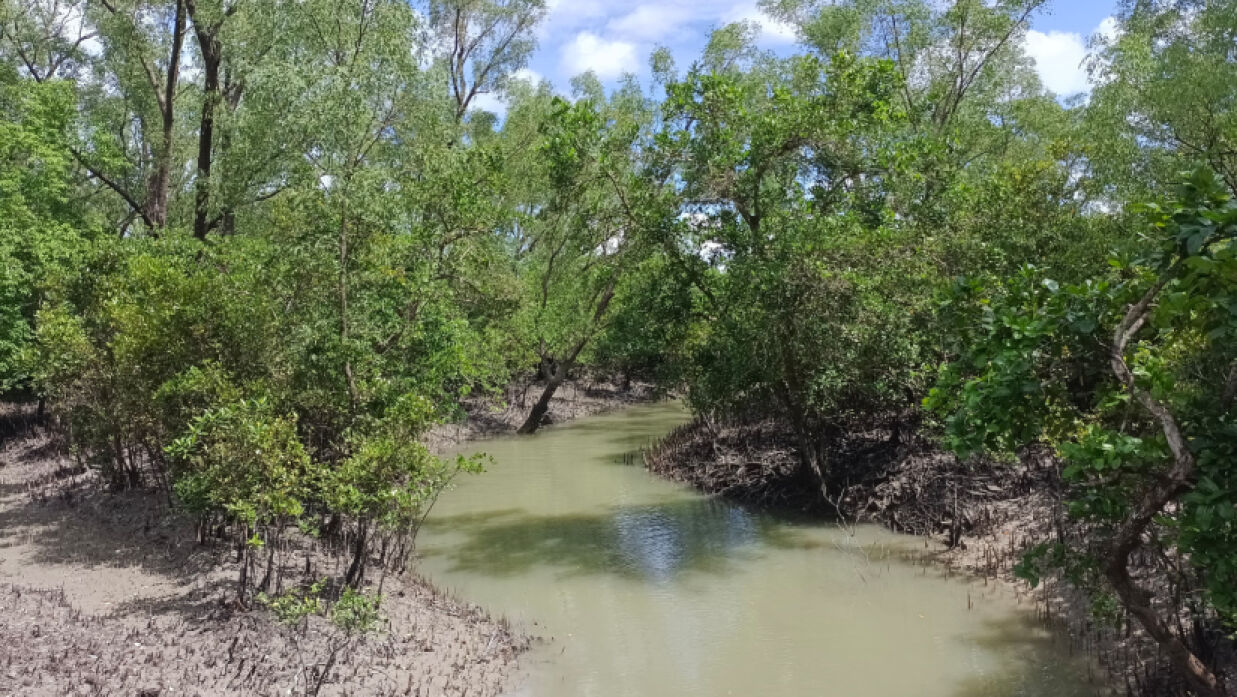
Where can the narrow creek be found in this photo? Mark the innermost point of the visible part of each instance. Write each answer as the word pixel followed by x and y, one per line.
pixel 644 588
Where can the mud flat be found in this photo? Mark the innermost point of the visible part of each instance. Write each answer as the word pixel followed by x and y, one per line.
pixel 111 594
pixel 106 594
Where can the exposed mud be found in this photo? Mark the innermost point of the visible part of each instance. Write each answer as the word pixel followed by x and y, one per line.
pixel 111 594
pixel 105 594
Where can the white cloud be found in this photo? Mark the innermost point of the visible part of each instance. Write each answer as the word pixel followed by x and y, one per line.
pixel 528 75
pixel 652 22
pixel 1061 57
pixel 1109 29
pixel 563 16
pixel 771 30
pixel 488 101
pixel 607 58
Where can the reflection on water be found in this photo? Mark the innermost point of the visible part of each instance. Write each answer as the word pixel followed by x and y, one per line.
pixel 647 589
pixel 650 543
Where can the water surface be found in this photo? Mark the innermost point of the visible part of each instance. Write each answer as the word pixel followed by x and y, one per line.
pixel 644 588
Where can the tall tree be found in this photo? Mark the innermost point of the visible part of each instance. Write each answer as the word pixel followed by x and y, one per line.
pixel 43 224
pixel 207 21
pixel 143 50
pixel 584 207
pixel 1164 97
pixel 484 42
pixel 785 169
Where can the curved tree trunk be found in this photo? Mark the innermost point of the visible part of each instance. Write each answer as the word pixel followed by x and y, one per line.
pixel 1158 494
pixel 555 371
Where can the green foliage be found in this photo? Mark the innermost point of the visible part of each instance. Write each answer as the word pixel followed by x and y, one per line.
pixel 245 461
pixel 41 230
pixel 355 612
pixel 163 365
pixel 144 336
pixel 649 326
pixel 583 238
pixel 1147 121
pixel 391 477
pixel 822 203
pixel 1035 351
pixel 1045 558
pixel 1035 365
pixel 295 607
pixel 584 206
pixel 806 294
pixel 258 283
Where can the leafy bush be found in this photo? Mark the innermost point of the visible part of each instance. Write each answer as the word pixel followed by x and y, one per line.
pixel 356 612
pixel 1131 378
pixel 244 461
pixel 297 606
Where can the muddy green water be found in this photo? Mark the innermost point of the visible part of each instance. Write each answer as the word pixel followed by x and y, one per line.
pixel 644 588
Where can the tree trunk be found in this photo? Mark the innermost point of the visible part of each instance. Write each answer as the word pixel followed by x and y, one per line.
pixel 547 368
pixel 265 584
pixel 537 415
pixel 160 180
pixel 1166 488
pixel 1138 601
pixel 811 471
pixel 208 42
pixel 242 580
pixel 356 570
pixel 811 450
pixel 342 289
pixel 561 368
pixel 231 96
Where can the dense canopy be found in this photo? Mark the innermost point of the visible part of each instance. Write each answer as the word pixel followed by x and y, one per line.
pixel 252 250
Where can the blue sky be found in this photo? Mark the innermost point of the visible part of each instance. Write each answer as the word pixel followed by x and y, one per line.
pixel 615 37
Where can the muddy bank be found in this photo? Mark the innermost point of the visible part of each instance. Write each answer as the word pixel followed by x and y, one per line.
pixel 489 416
pixel 104 594
pixel 981 517
pixel 111 593
pixel 164 646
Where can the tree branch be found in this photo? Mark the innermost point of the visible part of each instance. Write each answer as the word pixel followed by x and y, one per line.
pixel 1158 494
